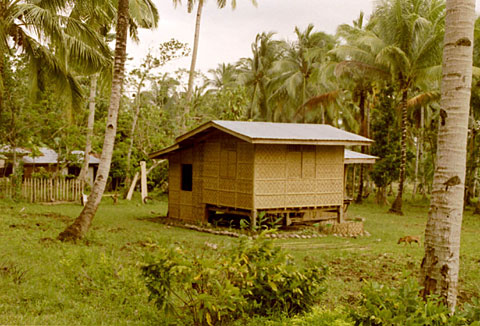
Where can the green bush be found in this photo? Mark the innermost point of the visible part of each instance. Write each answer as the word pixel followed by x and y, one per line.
pixel 211 287
pixel 323 317
pixel 383 305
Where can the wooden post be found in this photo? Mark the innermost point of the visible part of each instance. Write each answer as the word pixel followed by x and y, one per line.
pixel 341 211
pixel 143 180
pixel 253 221
pixel 132 187
pixel 353 180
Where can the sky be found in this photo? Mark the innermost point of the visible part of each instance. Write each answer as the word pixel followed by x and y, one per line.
pixel 226 35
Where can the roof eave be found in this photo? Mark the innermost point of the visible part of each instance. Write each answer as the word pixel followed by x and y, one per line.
pixel 359 161
pixel 211 124
pixel 164 152
pixel 313 142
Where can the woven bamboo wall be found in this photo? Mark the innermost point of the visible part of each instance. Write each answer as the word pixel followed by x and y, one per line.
pixel 228 172
pixel 222 176
pixel 298 176
pixel 185 205
pixel 174 175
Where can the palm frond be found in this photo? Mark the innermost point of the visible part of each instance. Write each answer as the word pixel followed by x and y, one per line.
pixel 144 13
pixel 423 99
pixel 322 99
pixel 43 61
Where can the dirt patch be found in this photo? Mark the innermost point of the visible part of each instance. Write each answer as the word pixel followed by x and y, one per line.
pixel 48 242
pixel 39 226
pixel 116 230
pixel 142 244
pixel 57 216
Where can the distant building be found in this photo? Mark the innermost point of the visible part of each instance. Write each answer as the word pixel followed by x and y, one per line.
pixel 46 161
pixel 292 170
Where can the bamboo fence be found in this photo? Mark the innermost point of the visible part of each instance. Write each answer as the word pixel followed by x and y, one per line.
pixel 37 190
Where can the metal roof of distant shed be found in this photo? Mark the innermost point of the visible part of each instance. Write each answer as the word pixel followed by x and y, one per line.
pixel 49 156
pixel 352 157
pixel 274 133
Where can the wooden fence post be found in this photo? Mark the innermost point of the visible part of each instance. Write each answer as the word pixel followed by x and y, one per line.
pixel 143 172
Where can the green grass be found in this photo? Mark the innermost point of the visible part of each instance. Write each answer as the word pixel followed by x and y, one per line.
pixel 97 281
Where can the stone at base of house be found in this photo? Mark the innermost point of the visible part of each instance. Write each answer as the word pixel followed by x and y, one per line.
pixel 344 229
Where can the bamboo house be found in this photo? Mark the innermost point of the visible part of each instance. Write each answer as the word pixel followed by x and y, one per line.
pixel 292 170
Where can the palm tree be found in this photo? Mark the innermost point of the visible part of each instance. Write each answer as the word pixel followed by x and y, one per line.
pixel 100 17
pixel 411 32
pixel 80 226
pixel 440 265
pixel 28 26
pixel 254 72
pixel 295 73
pixel 191 75
pixel 224 76
pixel 360 74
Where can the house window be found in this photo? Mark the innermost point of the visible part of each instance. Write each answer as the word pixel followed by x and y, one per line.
pixel 187 177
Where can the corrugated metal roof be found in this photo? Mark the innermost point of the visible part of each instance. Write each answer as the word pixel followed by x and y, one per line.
pixel 49 156
pixel 274 133
pixel 7 149
pixel 284 133
pixel 289 131
pixel 352 157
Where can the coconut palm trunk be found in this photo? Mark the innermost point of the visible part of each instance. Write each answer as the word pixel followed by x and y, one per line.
pixel 136 113
pixel 2 68
pixel 80 226
pixel 363 132
pixel 90 123
pixel 440 265
pixel 477 208
pixel 397 204
pixel 191 75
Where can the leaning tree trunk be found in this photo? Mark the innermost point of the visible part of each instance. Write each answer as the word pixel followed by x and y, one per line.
pixel 397 204
pixel 91 121
pixel 79 228
pixel 440 265
pixel 191 75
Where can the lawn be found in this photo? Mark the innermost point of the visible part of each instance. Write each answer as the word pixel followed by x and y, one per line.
pixel 98 281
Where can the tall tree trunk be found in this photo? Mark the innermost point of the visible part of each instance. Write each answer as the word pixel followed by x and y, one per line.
pixel 250 111
pixel 477 208
pixel 2 76
pixel 91 121
pixel 417 159
pixel 440 265
pixel 381 196
pixel 420 156
pixel 397 204
pixel 80 226
pixel 359 198
pixel 136 113
pixel 130 145
pixel 363 131
pixel 471 168
pixel 191 74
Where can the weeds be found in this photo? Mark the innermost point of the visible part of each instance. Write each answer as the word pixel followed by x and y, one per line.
pixel 11 270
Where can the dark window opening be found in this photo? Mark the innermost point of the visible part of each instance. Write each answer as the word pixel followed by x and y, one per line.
pixel 187 177
pixel 73 171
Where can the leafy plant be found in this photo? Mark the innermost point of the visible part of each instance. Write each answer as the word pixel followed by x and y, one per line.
pixel 252 278
pixel 384 305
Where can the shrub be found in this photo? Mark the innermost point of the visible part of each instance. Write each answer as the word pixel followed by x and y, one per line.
pixel 252 278
pixel 383 305
pixel 323 317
